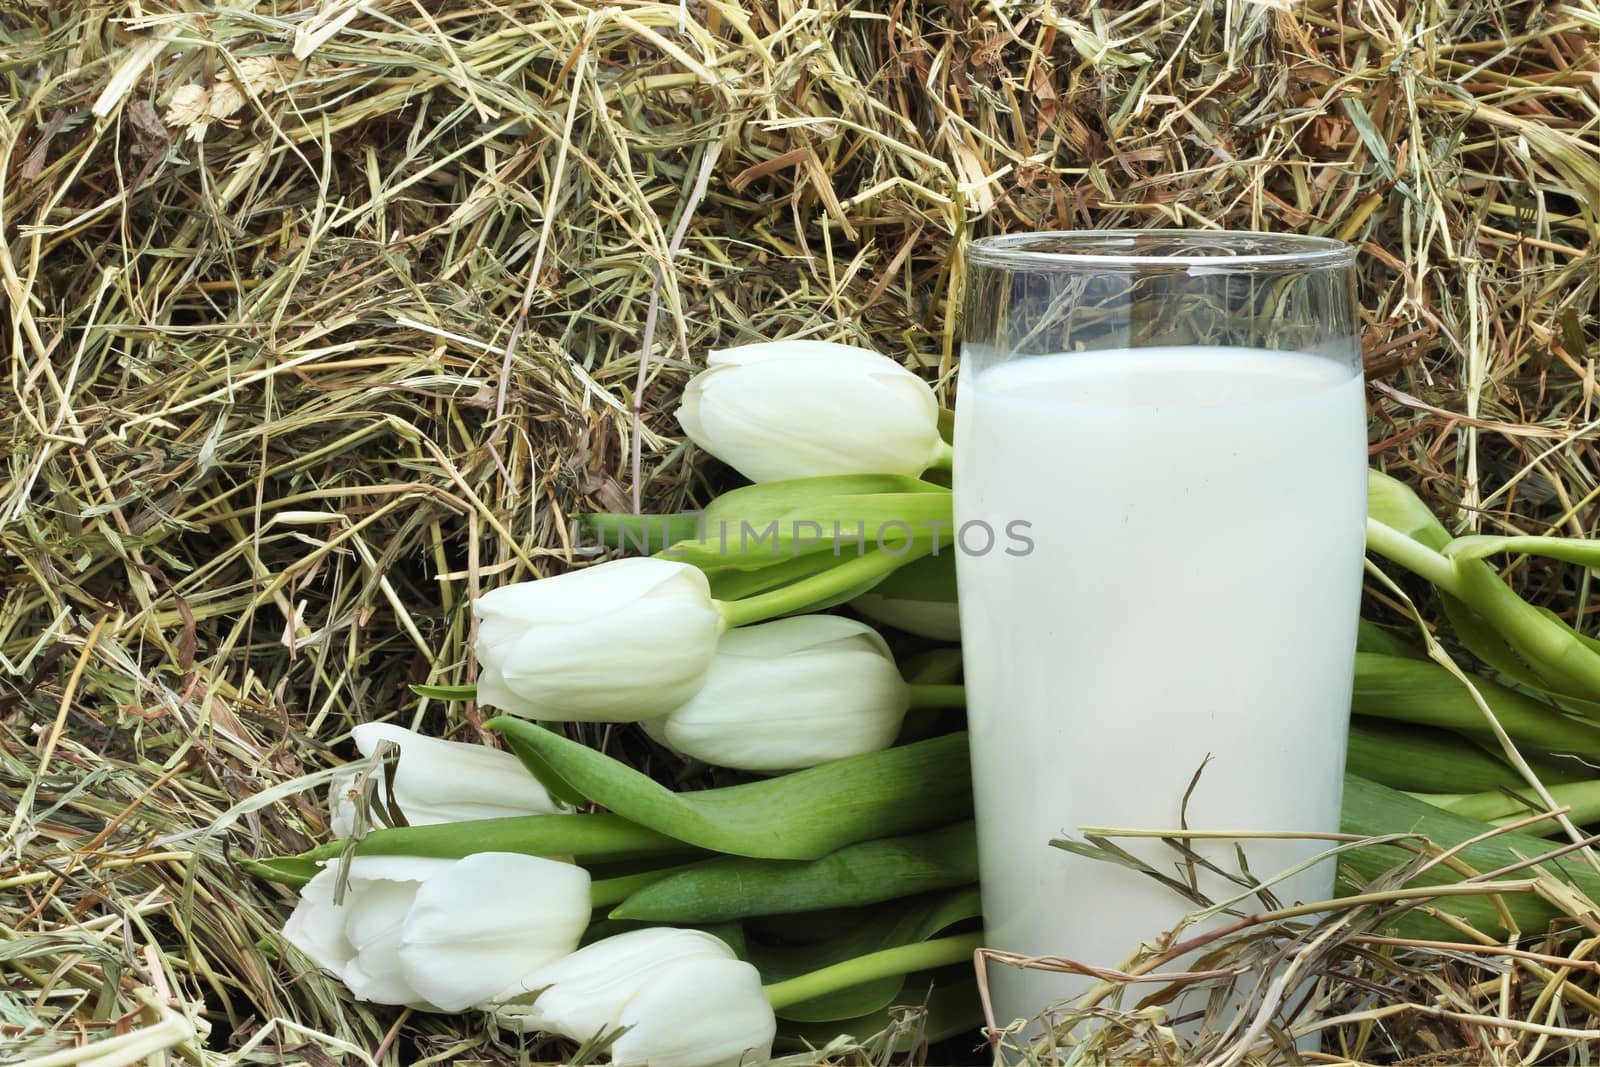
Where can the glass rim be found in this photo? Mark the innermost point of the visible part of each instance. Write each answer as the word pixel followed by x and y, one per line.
pixel 1239 250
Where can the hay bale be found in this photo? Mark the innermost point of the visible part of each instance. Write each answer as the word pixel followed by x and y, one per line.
pixel 323 315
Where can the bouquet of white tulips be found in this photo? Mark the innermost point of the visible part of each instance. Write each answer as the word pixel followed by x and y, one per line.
pixel 566 893
pixel 563 892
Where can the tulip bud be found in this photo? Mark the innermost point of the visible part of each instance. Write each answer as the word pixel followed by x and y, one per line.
pixel 789 694
pixel 582 995
pixel 919 598
pixel 936 619
pixel 436 934
pixel 617 642
pixel 800 409
pixel 703 1012
pixel 439 781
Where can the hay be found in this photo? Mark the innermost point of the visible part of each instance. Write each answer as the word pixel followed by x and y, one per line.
pixel 1326 982
pixel 323 315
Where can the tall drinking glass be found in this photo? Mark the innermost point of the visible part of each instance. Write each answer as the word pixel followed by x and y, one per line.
pixel 1166 432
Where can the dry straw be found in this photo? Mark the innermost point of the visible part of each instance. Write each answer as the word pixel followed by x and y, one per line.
pixel 323 315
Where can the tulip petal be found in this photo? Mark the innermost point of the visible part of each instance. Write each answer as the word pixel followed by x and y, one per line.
pixel 595 592
pixel 582 995
pixel 790 412
pixel 495 693
pixel 936 619
pixel 767 351
pixel 791 694
pixel 477 927
pixel 688 413
pixel 801 633
pixel 378 892
pixel 375 913
pixel 637 664
pixel 438 781
pixel 617 642
pixel 394 868
pixel 698 1013
pixel 316 926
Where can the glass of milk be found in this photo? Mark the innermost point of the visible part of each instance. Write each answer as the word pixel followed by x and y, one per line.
pixel 1168 429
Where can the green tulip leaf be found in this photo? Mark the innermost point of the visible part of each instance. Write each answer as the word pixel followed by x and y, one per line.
pixel 832 526
pixel 733 887
pixel 1507 803
pixel 1371 809
pixel 1370 637
pixel 292 871
pixel 842 581
pixel 1393 503
pixel 547 776
pixel 584 837
pixel 935 666
pixel 622 532
pixel 1424 759
pixel 951 1008
pixel 767 500
pixel 903 922
pixel 799 816
pixel 931 578
pixel 735 581
pixel 1494 622
pixel 1483 641
pixel 849 1003
pixel 1563 661
pixel 1422 692
pixel 446 692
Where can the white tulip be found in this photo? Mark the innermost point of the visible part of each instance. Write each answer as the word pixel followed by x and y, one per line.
pixel 702 1012
pixel 617 642
pixel 436 934
pixel 439 781
pixel 799 409
pixel 789 694
pixel 582 995
pixel 938 619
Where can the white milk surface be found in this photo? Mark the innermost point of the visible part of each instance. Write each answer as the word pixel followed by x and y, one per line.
pixel 1197 516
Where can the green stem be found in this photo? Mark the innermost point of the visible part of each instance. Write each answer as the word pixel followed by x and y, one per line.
pixel 608 891
pixel 1556 653
pixel 925 695
pixel 1546 643
pixel 944 458
pixel 1413 556
pixel 583 836
pixel 1498 806
pixel 874 965
pixel 835 581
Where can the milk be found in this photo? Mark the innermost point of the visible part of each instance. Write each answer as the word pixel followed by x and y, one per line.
pixel 1197 518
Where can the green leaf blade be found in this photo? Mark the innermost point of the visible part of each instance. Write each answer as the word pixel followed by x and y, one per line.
pixel 799 816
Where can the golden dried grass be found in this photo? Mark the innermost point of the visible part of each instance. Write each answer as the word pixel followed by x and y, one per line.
pixel 322 315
